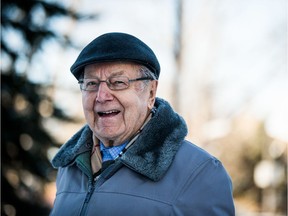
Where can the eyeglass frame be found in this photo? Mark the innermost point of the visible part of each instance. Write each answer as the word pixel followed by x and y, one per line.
pixel 109 84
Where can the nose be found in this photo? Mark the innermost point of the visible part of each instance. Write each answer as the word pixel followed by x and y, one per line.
pixel 103 93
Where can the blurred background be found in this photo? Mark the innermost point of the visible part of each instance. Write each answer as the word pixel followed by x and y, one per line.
pixel 223 68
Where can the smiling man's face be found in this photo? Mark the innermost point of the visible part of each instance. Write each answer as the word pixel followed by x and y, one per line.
pixel 115 116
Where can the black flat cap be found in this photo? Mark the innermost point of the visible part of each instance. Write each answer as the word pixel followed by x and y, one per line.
pixel 116 46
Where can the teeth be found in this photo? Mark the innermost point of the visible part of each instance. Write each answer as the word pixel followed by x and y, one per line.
pixel 109 112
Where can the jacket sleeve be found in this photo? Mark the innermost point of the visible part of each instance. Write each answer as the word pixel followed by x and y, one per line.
pixel 208 191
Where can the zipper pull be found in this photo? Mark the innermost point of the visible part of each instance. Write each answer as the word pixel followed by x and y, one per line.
pixel 96 178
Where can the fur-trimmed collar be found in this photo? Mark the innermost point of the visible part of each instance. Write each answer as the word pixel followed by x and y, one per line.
pixel 150 155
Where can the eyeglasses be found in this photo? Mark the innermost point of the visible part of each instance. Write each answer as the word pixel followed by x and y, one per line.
pixel 113 83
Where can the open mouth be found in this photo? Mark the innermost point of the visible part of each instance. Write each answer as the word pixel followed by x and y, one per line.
pixel 109 113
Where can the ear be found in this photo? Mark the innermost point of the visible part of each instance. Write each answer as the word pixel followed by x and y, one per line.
pixel 152 93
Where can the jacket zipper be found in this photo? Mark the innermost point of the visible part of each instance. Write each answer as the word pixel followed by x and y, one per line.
pixel 93 184
pixel 91 188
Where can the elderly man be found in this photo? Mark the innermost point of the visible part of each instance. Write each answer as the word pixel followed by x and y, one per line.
pixel 132 157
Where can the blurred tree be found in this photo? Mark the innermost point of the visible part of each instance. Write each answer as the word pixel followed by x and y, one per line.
pixel 24 142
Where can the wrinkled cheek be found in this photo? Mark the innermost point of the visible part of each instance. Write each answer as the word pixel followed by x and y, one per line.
pixel 133 122
pixel 88 108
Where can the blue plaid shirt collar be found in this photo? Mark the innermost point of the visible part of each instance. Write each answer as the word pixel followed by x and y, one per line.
pixel 110 153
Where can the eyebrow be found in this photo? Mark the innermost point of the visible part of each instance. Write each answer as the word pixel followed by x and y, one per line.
pixel 116 73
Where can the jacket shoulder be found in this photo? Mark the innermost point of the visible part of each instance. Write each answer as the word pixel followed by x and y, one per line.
pixel 193 160
pixel 194 153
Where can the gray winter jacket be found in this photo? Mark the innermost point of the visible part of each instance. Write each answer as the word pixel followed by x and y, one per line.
pixel 160 174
